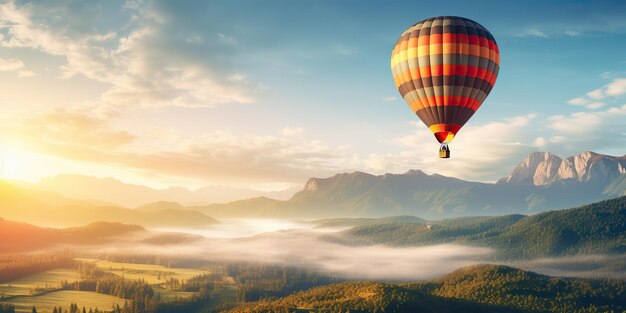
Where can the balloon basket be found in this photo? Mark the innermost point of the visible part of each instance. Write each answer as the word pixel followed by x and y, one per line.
pixel 444 151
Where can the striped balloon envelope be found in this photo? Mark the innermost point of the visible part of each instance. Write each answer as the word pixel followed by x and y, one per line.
pixel 444 68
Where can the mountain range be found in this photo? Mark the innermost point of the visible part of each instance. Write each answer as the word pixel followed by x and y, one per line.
pixel 113 191
pixel 540 182
pixel 49 208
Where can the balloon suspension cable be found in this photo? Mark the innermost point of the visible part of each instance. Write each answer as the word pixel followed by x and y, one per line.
pixel 444 151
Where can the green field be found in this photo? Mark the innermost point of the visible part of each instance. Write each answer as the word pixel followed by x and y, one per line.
pixel 46 302
pixel 46 280
pixel 22 292
pixel 148 272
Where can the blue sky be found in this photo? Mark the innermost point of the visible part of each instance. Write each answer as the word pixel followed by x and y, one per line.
pixel 265 94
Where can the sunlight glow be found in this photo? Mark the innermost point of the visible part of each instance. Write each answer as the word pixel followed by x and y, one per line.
pixel 11 163
pixel 24 165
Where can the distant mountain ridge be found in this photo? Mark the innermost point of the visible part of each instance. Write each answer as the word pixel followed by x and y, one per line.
pixel 49 208
pixel 541 182
pixel 111 190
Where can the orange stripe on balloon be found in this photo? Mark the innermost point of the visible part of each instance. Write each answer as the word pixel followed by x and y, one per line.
pixel 437 128
pixel 459 101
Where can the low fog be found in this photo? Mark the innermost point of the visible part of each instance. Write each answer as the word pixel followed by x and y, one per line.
pixel 300 243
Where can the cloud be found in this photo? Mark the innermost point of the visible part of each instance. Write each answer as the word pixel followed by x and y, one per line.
pixel 291 245
pixel 390 98
pixel 15 65
pixel 10 65
pixel 533 32
pixel 145 63
pixel 615 89
pixel 292 131
pixel 217 156
pixel 65 128
pixel 479 152
pixel 540 142
pixel 592 130
pixel 596 94
pixel 587 103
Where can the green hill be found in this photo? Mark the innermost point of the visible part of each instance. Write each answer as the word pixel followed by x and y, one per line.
pixel 597 228
pixel 481 288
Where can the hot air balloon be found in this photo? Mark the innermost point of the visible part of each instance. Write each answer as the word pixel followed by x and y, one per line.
pixel 444 67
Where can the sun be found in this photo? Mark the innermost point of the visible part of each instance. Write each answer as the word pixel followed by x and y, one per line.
pixel 10 164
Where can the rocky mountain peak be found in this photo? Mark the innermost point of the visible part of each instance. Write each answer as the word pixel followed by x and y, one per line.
pixel 544 168
pixel 311 185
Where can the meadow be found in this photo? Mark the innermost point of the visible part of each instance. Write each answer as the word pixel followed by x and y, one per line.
pixel 46 302
pixel 44 289
pixel 150 273
pixel 26 286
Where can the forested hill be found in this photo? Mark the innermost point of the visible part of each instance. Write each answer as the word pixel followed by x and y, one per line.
pixel 481 288
pixel 596 228
pixel 22 237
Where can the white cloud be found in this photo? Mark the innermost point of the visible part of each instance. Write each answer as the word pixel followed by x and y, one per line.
pixel 578 101
pixel 292 131
pixel 10 65
pixel 595 105
pixel 479 152
pixel 575 123
pixel 587 103
pixel 540 142
pixel 596 94
pixel 591 130
pixel 616 88
pixel 534 32
pixel 390 98
pixel 15 65
pixel 26 73
pixel 144 66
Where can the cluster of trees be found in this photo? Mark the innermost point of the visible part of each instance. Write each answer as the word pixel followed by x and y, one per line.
pixel 7 308
pixel 257 281
pixel 73 308
pixel 14 266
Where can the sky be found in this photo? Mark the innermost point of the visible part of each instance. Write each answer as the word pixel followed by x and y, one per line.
pixel 265 94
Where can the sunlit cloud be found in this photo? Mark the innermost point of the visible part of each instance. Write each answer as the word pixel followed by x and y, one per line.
pixel 139 71
pixel 15 65
pixel 479 151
